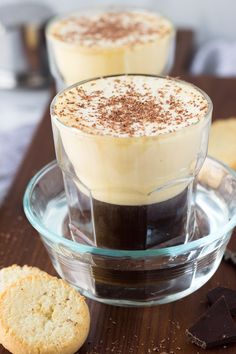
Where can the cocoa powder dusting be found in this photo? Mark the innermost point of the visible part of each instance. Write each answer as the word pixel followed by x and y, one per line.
pixel 127 110
pixel 133 27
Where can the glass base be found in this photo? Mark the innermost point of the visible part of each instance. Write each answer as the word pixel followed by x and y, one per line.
pixel 147 281
pixel 148 303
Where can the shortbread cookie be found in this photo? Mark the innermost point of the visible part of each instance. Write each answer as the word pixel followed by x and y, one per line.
pixel 42 315
pixel 10 275
pixel 222 143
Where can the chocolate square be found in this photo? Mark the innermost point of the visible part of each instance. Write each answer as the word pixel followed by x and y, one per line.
pixel 214 328
pixel 229 295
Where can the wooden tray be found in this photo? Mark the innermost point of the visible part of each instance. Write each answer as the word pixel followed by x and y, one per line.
pixel 114 330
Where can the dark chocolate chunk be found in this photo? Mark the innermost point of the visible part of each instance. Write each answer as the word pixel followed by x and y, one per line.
pixel 229 294
pixel 214 328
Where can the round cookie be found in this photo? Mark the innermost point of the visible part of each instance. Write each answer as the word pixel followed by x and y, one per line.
pixel 10 275
pixel 42 315
pixel 222 141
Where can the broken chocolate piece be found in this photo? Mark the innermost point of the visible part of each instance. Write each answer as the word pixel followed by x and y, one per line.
pixel 214 328
pixel 229 294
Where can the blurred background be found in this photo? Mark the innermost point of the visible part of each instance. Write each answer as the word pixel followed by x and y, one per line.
pixel 209 18
pixel 212 52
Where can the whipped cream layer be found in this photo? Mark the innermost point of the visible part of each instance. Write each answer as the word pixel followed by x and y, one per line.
pixel 111 29
pixel 101 43
pixel 132 140
pixel 131 105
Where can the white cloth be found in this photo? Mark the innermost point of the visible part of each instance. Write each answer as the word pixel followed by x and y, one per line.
pixel 20 112
pixel 217 57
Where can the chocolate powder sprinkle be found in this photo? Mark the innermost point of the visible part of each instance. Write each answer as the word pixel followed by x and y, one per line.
pixel 123 109
pixel 109 27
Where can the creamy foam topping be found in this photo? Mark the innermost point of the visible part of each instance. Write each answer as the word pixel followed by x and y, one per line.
pixel 111 29
pixel 134 106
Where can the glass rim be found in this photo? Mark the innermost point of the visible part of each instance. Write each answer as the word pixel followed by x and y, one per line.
pixel 206 117
pixel 84 249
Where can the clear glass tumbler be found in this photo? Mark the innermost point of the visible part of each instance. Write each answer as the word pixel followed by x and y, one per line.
pixel 76 52
pixel 131 192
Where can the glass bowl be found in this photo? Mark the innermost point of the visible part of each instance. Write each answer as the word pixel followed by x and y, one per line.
pixel 143 277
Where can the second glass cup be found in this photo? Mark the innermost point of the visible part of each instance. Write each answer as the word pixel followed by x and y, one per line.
pixel 108 42
pixel 129 147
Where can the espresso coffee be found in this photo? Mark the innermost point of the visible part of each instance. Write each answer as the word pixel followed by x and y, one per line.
pixel 117 226
pixel 129 147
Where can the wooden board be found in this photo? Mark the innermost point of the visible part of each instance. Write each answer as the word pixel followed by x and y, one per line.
pixel 159 329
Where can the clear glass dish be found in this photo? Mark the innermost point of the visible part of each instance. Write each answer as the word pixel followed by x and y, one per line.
pixel 141 277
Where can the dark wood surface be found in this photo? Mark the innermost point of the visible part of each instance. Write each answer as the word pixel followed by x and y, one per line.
pixel 115 330
pixel 184 51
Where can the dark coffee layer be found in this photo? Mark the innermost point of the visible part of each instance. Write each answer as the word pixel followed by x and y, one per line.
pixel 121 279
pixel 130 227
pixel 139 227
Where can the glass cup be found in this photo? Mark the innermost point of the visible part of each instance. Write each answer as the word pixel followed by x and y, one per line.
pixel 71 62
pixel 131 193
